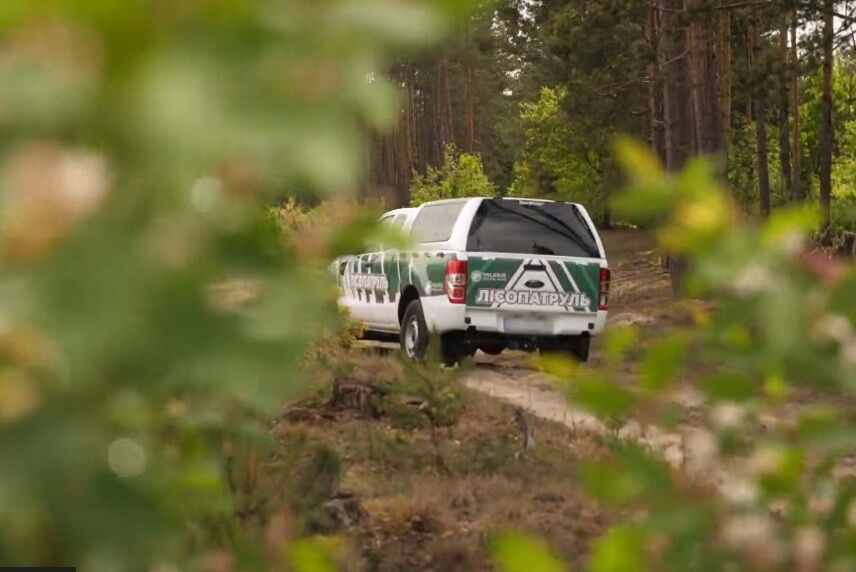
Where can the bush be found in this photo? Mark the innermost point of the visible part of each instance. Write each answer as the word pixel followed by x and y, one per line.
pixel 551 165
pixel 152 316
pixel 461 175
pixel 784 321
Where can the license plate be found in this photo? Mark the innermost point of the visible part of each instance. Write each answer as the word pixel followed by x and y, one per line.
pixel 526 325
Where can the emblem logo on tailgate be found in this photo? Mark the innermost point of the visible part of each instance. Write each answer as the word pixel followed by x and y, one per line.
pixel 478 276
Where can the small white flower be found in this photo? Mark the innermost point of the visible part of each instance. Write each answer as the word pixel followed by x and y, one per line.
pixel 851 514
pixel 701 450
pixel 809 544
pixel 848 352
pixel 728 415
pixel 747 530
pixel 752 280
pixel 833 327
pixel 84 181
pixel 765 460
pixel 823 500
pixel 126 457
pixel 791 243
pixel 739 491
pixel 205 193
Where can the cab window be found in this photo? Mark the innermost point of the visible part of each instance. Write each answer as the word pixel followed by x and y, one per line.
pixel 435 222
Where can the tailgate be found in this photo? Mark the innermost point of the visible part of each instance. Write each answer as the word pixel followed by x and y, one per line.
pixel 527 283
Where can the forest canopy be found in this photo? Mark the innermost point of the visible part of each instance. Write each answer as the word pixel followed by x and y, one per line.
pixel 539 90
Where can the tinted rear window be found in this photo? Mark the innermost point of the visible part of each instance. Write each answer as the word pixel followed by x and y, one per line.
pixel 435 222
pixel 531 228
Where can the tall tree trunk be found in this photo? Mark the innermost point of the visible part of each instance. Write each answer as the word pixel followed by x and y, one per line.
pixel 706 84
pixel 697 54
pixel 761 149
pixel 723 54
pixel 470 98
pixel 655 106
pixel 760 103
pixel 826 117
pixel 796 151
pixel 677 114
pixel 784 112
pixel 677 119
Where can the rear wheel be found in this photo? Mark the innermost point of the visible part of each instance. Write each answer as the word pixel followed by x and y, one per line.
pixel 492 349
pixel 414 331
pixel 454 348
pixel 578 347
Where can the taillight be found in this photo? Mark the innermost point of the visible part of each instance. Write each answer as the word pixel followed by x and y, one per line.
pixel 605 278
pixel 456 281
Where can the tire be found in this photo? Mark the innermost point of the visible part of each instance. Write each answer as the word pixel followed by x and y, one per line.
pixel 492 350
pixel 414 335
pixel 579 347
pixel 454 348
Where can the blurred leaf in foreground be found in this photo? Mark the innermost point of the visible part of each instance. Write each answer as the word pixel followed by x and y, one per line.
pixel 151 314
pixel 516 552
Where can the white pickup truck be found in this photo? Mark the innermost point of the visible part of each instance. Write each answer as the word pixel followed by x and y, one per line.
pixel 483 273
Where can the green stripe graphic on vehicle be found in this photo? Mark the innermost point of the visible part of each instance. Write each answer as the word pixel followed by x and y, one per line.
pixel 587 277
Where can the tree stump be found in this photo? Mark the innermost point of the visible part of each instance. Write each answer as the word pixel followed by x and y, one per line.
pixel 355 395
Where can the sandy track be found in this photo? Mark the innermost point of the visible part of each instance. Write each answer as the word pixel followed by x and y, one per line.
pixel 641 294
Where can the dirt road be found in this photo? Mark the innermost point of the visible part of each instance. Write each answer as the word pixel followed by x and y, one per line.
pixel 641 295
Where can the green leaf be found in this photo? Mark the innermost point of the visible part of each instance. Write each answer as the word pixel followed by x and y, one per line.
pixel 785 476
pixel 631 475
pixel 664 361
pixel 787 222
pixel 516 552
pixel 730 387
pixel 601 396
pixel 316 554
pixel 638 161
pixel 608 483
pixel 622 549
pixel 618 341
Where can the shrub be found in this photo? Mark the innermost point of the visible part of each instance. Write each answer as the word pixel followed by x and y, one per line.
pixel 152 319
pixel 783 321
pixel 461 175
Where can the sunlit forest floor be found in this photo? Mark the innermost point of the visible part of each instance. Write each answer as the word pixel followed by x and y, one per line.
pixel 371 460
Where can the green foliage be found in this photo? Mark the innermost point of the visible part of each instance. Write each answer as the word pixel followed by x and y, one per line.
pixel 550 165
pixel 153 316
pixel 437 390
pixel 783 320
pixel 844 124
pixel 316 554
pixel 631 476
pixel 774 326
pixel 622 549
pixel 461 175
pixel 515 552
pixel 663 362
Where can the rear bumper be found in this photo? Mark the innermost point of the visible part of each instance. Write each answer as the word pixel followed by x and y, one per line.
pixel 538 324
pixel 442 316
pixel 475 340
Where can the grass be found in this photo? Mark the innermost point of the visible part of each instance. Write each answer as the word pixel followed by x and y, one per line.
pixel 430 488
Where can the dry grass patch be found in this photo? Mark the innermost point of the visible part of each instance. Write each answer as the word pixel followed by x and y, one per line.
pixel 430 494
